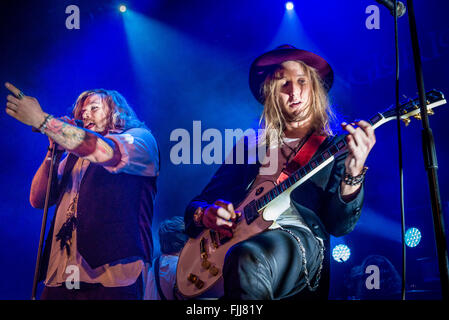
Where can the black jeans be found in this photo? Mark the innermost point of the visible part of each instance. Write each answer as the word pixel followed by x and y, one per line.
pixel 270 265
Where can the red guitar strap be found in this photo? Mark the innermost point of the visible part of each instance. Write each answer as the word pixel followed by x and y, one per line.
pixel 302 157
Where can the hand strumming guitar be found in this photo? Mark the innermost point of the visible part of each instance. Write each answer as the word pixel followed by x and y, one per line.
pixel 220 217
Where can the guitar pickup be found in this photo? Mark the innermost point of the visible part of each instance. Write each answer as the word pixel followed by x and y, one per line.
pixel 250 212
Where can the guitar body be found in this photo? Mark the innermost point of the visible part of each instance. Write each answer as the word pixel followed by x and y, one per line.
pixel 190 260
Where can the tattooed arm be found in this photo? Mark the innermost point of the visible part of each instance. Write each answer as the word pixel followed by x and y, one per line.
pixel 82 142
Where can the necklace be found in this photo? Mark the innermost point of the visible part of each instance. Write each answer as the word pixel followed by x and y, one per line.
pixel 65 233
pixel 295 150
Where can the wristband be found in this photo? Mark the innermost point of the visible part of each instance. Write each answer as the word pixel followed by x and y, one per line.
pixel 43 126
pixel 354 181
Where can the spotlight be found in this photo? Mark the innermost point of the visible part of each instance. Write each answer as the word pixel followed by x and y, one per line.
pixel 289 5
pixel 412 237
pixel 341 253
pixel 122 8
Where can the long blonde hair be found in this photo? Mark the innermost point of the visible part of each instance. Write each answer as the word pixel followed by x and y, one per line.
pixel 273 120
pixel 120 115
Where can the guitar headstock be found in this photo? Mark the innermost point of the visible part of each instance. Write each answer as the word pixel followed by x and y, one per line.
pixel 410 109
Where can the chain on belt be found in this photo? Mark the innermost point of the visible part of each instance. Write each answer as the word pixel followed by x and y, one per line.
pixel 304 259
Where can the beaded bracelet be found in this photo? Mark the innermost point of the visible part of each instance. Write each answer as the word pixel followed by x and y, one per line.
pixel 43 126
pixel 354 181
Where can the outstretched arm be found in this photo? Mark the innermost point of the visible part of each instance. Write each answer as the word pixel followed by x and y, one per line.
pixel 82 142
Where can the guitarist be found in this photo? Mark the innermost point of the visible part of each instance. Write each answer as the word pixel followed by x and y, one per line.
pixel 291 258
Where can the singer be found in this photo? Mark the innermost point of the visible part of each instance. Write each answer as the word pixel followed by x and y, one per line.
pixel 104 193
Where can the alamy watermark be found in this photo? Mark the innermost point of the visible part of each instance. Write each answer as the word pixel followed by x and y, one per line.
pixel 73 279
pixel 373 280
pixel 373 20
pixel 73 20
pixel 189 147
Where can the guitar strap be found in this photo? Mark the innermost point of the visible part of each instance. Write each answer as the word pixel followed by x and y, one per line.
pixel 302 157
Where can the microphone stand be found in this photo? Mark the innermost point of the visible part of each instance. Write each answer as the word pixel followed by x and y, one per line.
pixel 400 158
pixel 430 160
pixel 44 222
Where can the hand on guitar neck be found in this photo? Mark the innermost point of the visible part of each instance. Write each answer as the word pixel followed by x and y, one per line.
pixel 221 217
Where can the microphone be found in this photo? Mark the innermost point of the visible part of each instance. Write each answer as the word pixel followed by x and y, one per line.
pixel 79 123
pixel 400 7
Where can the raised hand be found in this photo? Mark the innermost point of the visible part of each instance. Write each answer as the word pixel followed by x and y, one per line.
pixel 23 108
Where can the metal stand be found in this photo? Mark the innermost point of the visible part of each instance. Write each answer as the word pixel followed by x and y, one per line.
pixel 430 160
pixel 44 222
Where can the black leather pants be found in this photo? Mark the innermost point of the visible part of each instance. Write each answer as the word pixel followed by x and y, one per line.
pixel 270 265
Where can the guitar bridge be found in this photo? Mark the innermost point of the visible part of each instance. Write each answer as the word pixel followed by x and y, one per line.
pixel 203 252
pixel 214 238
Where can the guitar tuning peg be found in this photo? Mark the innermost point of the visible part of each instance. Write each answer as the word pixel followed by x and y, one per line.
pixel 417 116
pixel 406 121
pixel 430 112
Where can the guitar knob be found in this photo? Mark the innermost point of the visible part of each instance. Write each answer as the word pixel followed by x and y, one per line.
pixel 199 284
pixel 195 280
pixel 192 278
pixel 213 270
pixel 205 264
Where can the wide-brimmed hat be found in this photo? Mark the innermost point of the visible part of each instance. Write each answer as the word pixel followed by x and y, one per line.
pixel 269 61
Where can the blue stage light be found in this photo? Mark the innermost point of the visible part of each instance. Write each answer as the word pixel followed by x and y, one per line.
pixel 122 8
pixel 341 253
pixel 412 237
pixel 289 5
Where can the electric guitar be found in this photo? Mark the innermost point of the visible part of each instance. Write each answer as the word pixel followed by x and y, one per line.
pixel 201 260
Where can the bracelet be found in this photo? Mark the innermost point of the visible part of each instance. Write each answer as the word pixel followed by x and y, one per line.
pixel 198 217
pixel 354 181
pixel 43 126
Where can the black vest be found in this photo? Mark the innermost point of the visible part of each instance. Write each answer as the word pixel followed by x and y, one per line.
pixel 115 212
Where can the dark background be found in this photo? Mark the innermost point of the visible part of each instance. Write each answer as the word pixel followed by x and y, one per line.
pixel 182 61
